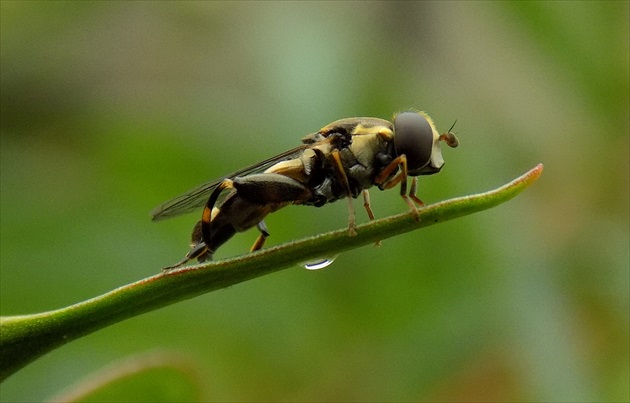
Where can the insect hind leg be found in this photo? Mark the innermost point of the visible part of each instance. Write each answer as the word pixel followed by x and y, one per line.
pixel 201 236
pixel 199 251
pixel 264 233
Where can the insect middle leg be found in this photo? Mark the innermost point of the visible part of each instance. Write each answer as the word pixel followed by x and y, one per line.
pixel 368 208
pixel 343 178
pixel 366 204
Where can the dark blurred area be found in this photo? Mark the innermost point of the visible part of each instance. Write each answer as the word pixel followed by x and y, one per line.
pixel 110 108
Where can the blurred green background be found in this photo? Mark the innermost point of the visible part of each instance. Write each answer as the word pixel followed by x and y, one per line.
pixel 109 108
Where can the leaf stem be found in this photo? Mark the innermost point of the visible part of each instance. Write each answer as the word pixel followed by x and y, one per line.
pixel 26 337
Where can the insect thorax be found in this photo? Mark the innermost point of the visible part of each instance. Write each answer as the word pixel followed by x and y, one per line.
pixel 362 161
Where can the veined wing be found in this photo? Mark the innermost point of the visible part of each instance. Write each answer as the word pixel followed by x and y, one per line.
pixel 198 196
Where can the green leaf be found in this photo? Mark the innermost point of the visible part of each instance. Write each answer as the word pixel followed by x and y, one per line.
pixel 155 376
pixel 26 337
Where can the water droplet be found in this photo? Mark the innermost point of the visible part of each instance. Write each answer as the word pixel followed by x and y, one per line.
pixel 319 263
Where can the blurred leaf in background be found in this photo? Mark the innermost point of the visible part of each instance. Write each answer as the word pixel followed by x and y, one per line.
pixel 109 108
pixel 154 376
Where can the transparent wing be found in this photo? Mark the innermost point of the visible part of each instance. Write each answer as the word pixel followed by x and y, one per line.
pixel 197 197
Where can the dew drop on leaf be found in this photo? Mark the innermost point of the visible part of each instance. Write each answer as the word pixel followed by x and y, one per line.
pixel 319 263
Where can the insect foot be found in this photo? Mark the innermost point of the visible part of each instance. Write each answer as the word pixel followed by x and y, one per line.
pixel 352 230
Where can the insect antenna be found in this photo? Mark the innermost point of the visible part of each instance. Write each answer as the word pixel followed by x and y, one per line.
pixel 453 125
pixel 449 137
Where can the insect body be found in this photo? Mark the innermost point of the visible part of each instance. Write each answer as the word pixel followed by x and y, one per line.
pixel 342 160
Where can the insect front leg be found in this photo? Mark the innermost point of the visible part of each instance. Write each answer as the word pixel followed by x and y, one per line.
pixel 400 177
pixel 413 190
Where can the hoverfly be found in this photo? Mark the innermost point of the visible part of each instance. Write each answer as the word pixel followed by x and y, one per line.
pixel 341 160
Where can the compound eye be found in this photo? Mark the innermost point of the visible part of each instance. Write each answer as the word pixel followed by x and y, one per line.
pixel 414 138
